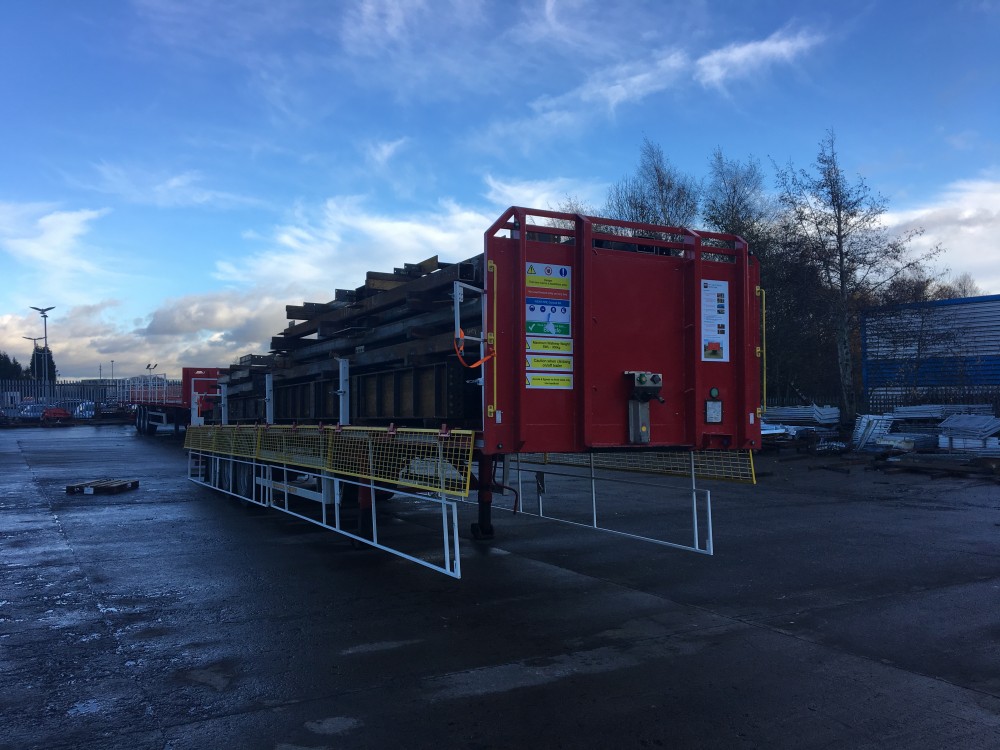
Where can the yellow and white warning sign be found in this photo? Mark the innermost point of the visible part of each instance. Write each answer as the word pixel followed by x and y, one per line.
pixel 550 382
pixel 533 344
pixel 552 279
pixel 548 363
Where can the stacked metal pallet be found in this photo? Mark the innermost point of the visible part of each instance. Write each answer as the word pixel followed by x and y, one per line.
pixel 973 433
pixel 803 415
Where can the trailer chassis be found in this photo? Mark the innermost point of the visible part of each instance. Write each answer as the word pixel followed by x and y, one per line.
pixel 320 498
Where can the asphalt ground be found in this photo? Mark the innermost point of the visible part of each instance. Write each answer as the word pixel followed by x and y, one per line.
pixel 841 610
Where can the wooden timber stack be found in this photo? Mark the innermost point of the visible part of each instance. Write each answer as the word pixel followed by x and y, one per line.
pixel 397 333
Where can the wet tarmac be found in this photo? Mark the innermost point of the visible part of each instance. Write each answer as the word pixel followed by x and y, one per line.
pixel 840 611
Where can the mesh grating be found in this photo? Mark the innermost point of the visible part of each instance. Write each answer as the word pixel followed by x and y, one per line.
pixel 417 459
pixel 199 438
pixel 731 465
pixel 296 446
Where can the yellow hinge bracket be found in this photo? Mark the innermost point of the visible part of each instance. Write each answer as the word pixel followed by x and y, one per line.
pixel 491 411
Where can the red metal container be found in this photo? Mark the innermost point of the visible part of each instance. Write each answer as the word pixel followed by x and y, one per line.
pixel 613 334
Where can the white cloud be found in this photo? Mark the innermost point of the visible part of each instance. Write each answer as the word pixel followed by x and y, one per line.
pixel 965 220
pixel 379 153
pixel 632 81
pixel 318 250
pixel 44 255
pixel 332 246
pixel 45 237
pixel 743 60
pixel 542 193
pixel 162 189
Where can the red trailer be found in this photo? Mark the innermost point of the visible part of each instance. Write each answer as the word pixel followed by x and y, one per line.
pixel 161 402
pixel 608 334
pixel 569 336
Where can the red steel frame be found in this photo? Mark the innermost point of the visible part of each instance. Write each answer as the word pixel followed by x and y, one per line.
pixel 635 298
pixel 195 381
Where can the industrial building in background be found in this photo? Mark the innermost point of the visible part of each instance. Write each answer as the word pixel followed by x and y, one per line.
pixel 942 352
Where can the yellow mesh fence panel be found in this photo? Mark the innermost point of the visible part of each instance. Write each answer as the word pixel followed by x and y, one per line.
pixel 417 459
pixel 296 446
pixel 199 438
pixel 731 465
pixel 243 442
pixel 421 459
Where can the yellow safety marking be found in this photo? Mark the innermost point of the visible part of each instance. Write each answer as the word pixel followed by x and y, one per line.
pixel 536 362
pixel 539 380
pixel 555 346
pixel 491 410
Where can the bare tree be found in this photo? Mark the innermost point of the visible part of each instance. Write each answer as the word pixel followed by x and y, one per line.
pixel 656 194
pixel 574 204
pixel 962 285
pixel 840 231
pixel 570 204
pixel 736 201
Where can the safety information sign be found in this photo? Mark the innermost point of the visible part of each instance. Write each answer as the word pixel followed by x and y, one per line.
pixel 714 321
pixel 547 362
pixel 547 299
pixel 548 346
pixel 552 382
pixel 556 346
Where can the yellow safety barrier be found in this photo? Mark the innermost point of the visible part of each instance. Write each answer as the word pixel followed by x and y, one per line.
pixel 417 459
pixel 735 466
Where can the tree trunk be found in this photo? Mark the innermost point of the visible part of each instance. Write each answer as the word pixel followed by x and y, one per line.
pixel 845 362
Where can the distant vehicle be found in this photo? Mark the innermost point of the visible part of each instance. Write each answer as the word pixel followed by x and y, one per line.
pixel 31 412
pixel 85 410
pixel 60 411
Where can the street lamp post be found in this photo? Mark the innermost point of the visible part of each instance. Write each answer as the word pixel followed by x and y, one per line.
pixel 149 371
pixel 44 312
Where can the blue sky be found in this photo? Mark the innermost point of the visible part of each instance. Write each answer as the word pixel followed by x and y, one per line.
pixel 174 172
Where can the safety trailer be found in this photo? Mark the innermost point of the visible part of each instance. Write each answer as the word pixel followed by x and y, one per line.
pixel 159 402
pixel 571 340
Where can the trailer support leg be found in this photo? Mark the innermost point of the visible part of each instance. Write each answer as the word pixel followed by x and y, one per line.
pixel 366 520
pixel 484 529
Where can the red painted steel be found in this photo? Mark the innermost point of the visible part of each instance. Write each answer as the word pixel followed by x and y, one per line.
pixel 576 302
pixel 201 381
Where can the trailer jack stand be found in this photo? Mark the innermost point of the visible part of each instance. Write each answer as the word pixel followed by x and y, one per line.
pixel 484 529
pixel 366 520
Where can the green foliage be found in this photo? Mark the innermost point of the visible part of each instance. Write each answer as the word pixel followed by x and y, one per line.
pixel 10 368
pixel 42 365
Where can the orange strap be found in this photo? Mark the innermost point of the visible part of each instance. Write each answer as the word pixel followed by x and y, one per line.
pixel 460 351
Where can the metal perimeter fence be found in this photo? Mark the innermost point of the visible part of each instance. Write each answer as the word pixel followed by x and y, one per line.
pixel 18 397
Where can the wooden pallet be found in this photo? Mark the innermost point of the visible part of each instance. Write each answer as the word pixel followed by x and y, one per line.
pixel 102 487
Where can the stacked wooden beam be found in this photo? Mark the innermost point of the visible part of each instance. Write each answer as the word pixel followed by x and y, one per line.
pixel 411 303
pixel 397 331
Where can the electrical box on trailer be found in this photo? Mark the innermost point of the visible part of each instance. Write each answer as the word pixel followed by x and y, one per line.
pixel 610 334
